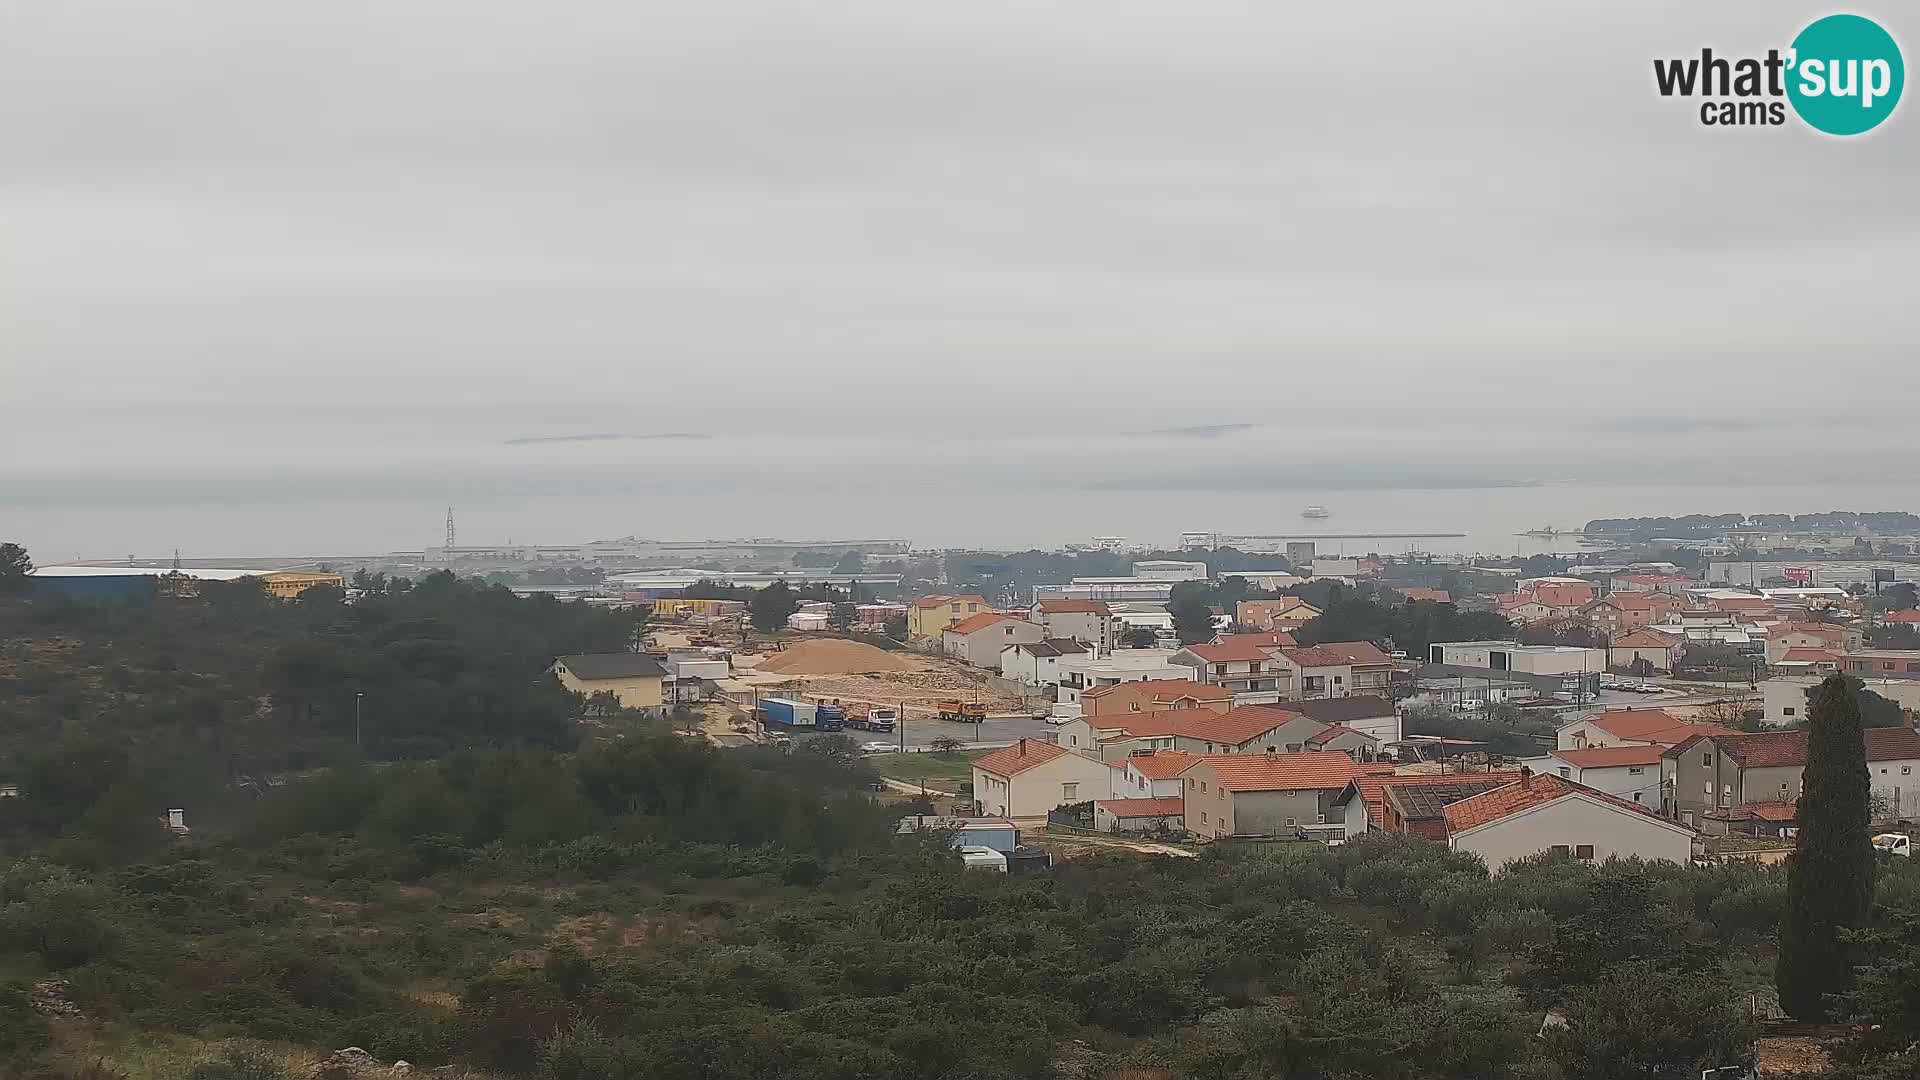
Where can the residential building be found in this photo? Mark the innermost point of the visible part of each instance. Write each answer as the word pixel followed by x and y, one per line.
pixel 1151 774
pixel 1037 663
pixel 1642 651
pixel 1800 662
pixel 1419 593
pixel 1328 567
pixel 1154 695
pixel 1107 588
pixel 635 679
pixel 1631 727
pixel 1252 670
pixel 1785 698
pixel 1372 716
pixel 1548 813
pixel 1577 670
pixel 1139 815
pixel 1624 611
pixel 1625 772
pixel 1904 617
pixel 1285 613
pixel 1079 674
pixel 1340 668
pixel 1709 775
pixel 1253 729
pixel 1881 663
pixel 1264 794
pixel 1411 804
pixel 1830 637
pixel 1089 622
pixel 287 584
pixel 928 616
pixel 978 639
pixel 1337 738
pixel 1029 778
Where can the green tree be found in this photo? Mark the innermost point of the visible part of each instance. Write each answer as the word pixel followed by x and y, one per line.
pixel 770 607
pixel 1192 608
pixel 1830 876
pixel 14 568
pixel 946 744
pixel 850 563
pixel 1137 637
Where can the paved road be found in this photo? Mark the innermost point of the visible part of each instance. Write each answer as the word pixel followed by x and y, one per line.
pixel 920 734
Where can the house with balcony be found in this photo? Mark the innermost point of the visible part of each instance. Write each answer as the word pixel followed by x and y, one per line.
pixel 1340 669
pixel 1717 782
pixel 1253 671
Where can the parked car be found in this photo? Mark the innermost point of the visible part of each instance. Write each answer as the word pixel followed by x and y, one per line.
pixel 877 747
pixel 1899 844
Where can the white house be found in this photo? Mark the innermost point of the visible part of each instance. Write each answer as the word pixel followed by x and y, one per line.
pixel 978 640
pixel 1631 773
pixel 1029 778
pixel 1089 622
pixel 1079 674
pixel 1150 774
pixel 1037 663
pixel 1547 813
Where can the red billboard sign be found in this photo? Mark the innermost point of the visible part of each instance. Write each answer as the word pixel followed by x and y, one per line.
pixel 1798 574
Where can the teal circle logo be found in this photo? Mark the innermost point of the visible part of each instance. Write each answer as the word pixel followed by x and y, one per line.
pixel 1846 75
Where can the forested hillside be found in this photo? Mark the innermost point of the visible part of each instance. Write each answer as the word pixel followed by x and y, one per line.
pixel 492 894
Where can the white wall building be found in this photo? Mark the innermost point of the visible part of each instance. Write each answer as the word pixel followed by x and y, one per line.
pixel 1169 570
pixel 1548 813
pixel 1629 773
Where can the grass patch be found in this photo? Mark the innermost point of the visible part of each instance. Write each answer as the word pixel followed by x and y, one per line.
pixel 937 770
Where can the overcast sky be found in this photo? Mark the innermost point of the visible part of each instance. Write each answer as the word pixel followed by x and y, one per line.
pixel 1122 212
pixel 230 200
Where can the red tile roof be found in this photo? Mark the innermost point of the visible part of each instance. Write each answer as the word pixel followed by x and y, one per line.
pixel 1830 631
pixel 938 600
pixel 1306 771
pixel 1653 726
pixel 1235 649
pixel 1272 639
pixel 1165 806
pixel 1643 639
pixel 1570 596
pixel 1074 607
pixel 1161 690
pixel 1525 794
pixel 1330 733
pixel 975 623
pixel 1231 728
pixel 1337 654
pixel 1021 756
pixel 1740 603
pixel 1607 757
pixel 1420 592
pixel 1770 811
pixel 1645 601
pixel 1373 789
pixel 1160 764
pixel 1908 616
pixel 1811 656
pixel 1776 749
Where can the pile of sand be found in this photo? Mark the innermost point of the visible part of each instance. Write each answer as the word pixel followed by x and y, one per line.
pixel 834 656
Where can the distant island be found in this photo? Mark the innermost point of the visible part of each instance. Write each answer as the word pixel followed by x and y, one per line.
pixel 1199 431
pixel 1880 522
pixel 603 436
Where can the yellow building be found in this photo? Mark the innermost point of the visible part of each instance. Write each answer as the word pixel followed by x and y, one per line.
pixel 287 584
pixel 929 616
pixel 670 607
pixel 636 680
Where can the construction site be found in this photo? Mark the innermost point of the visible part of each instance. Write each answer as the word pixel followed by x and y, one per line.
pixel 833 669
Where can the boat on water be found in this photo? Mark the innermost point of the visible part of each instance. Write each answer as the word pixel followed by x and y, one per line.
pixel 1316 512
pixel 1547 532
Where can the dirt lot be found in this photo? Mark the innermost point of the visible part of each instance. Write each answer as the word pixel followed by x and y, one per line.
pixel 917 692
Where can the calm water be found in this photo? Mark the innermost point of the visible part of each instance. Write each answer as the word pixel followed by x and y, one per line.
pixel 331 482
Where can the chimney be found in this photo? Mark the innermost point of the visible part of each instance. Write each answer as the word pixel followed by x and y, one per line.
pixel 176 819
pixel 1023 748
pixel 1273 755
pixel 1526 778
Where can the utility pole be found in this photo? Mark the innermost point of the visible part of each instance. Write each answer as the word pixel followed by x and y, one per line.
pixel 358 697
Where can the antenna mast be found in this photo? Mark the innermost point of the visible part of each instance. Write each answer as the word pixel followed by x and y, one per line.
pixel 449 530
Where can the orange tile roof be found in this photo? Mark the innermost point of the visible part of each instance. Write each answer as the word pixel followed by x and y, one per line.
pixel 1163 806
pixel 1607 757
pixel 1305 771
pixel 1768 811
pixel 1524 794
pixel 1073 607
pixel 1160 764
pixel 1021 756
pixel 1642 639
pixel 1825 630
pixel 1419 592
pixel 1330 733
pixel 1272 639
pixel 1373 789
pixel 1628 601
pixel 1562 595
pixel 1233 727
pixel 1908 616
pixel 1232 650
pixel 1811 656
pixel 974 623
pixel 1740 603
pixel 1653 726
pixel 1162 690
pixel 1777 749
pixel 1337 654
pixel 941 600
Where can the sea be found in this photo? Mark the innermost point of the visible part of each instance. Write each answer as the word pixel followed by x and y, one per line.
pixel 300 485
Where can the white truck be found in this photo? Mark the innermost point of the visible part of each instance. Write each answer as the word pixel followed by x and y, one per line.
pixel 1892 843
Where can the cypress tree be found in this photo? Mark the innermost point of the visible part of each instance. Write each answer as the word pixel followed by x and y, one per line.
pixel 1830 876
